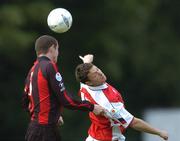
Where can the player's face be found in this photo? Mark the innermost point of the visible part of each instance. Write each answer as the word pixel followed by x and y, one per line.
pixel 55 53
pixel 96 77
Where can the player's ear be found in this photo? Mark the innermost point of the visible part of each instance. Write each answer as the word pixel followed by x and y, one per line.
pixel 51 48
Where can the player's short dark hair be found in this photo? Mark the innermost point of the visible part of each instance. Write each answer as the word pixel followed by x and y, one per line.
pixel 43 43
pixel 82 71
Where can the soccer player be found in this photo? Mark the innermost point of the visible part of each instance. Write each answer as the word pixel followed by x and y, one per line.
pixel 111 126
pixel 45 94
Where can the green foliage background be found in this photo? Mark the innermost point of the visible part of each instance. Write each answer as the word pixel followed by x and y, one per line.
pixel 136 44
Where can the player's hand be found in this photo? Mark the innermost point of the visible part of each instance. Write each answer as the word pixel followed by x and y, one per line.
pixel 164 135
pixel 98 110
pixel 60 121
pixel 87 58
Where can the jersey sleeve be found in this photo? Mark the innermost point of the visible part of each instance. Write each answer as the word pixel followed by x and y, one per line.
pixel 57 85
pixel 124 117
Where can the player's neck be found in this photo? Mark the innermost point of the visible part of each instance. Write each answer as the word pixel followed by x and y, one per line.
pixel 46 55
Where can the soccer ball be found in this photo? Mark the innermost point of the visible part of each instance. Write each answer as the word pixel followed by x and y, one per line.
pixel 59 20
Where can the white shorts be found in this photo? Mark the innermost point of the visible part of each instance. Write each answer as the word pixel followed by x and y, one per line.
pixel 89 138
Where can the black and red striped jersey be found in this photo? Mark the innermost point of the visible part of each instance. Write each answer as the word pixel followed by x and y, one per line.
pixel 45 94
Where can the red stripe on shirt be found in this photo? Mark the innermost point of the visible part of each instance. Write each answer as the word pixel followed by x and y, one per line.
pixel 44 100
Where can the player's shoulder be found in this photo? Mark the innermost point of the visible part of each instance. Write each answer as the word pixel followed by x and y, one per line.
pixel 52 65
pixel 48 65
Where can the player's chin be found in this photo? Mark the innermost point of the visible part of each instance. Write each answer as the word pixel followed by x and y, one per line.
pixel 103 81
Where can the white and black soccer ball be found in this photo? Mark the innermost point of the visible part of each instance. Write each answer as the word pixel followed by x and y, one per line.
pixel 59 20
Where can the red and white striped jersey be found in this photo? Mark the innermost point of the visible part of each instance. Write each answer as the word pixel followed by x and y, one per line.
pixel 102 128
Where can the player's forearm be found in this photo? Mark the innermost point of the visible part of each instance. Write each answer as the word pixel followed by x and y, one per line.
pixel 143 126
pixel 69 102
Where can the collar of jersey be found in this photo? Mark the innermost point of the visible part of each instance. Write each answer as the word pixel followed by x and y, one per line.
pixel 43 58
pixel 96 88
